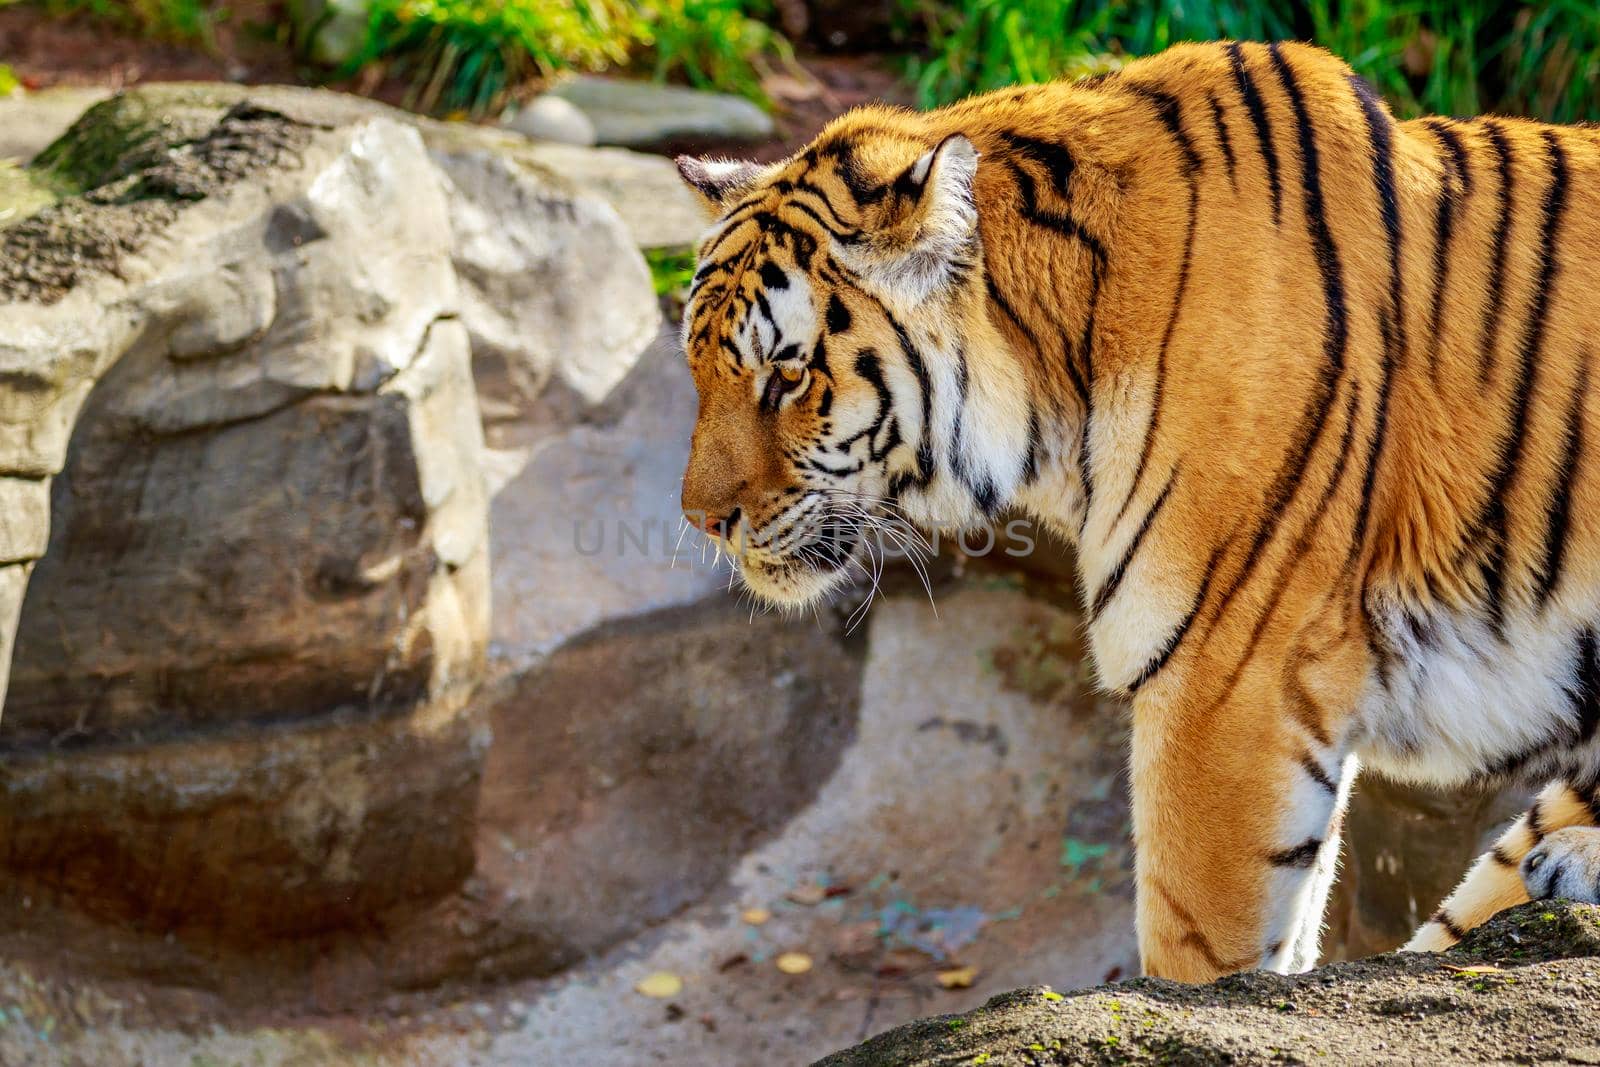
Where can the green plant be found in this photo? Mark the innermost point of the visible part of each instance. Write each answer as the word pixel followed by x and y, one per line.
pixel 671 269
pixel 715 44
pixel 1440 56
pixel 171 20
pixel 8 81
pixel 471 56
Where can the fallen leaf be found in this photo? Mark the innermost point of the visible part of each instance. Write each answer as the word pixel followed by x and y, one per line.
pixel 660 985
pixel 807 893
pixel 836 891
pixel 755 916
pixel 1476 968
pixel 957 977
pixel 794 963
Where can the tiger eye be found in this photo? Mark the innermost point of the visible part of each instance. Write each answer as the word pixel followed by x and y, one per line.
pixel 792 375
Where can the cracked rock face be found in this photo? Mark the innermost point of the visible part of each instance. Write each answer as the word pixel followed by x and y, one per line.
pixel 244 436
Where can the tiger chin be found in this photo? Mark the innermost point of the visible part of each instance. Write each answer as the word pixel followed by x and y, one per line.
pixel 1308 389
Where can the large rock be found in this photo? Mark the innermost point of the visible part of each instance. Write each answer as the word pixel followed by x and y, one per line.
pixel 1523 988
pixel 586 527
pixel 637 114
pixel 552 284
pixel 646 190
pixel 243 667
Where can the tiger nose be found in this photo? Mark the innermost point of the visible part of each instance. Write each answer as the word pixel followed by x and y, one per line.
pixel 712 524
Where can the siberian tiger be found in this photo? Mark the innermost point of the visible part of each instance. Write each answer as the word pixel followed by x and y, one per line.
pixel 1307 388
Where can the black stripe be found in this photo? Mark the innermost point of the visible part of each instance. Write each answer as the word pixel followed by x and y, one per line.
pixel 1174 119
pixel 1301 545
pixel 1502 857
pixel 1528 351
pixel 1502 237
pixel 1224 142
pixel 1060 222
pixel 1170 111
pixel 1536 820
pixel 1302 855
pixel 1086 358
pixel 1030 462
pixel 919 369
pixel 1558 523
pixel 1380 130
pixel 1314 770
pixel 1443 919
pixel 1336 336
pixel 1179 632
pixel 1114 579
pixel 982 489
pixel 1258 117
pixel 1053 157
pixel 1586 698
pixel 1455 185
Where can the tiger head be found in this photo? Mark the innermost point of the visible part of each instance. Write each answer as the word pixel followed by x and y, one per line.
pixel 827 328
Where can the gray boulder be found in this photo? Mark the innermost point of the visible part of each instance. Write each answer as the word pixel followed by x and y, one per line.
pixel 550 118
pixel 637 114
pixel 240 690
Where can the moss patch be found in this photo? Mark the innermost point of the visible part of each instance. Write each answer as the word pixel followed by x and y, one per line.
pixel 127 174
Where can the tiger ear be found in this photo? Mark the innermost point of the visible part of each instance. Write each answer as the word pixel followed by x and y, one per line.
pixel 719 182
pixel 929 227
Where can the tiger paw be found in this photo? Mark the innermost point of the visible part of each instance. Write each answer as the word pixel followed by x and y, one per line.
pixel 1565 864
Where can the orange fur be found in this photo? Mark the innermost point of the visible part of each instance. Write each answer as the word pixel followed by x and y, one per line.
pixel 1250 344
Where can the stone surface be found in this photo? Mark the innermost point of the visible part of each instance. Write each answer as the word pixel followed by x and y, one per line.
pixel 638 114
pixel 550 118
pixel 646 191
pixel 13 584
pixel 24 519
pixel 241 678
pixel 30 121
pixel 586 525
pixel 1535 1003
pixel 977 817
pixel 551 283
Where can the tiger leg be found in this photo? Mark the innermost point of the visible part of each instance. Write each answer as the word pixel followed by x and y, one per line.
pixel 1236 822
pixel 1551 848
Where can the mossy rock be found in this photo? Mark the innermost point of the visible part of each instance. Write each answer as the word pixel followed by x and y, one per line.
pixel 1525 981
pixel 121 174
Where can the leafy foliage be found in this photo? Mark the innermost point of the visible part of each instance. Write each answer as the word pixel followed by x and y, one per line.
pixel 1441 56
pixel 170 20
pixel 470 55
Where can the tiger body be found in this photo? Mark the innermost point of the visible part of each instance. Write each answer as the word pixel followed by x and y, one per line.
pixel 1306 387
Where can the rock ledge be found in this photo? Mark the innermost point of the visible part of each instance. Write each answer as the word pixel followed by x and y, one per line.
pixel 1524 987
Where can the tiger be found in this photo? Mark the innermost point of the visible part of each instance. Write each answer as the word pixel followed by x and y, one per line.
pixel 1307 388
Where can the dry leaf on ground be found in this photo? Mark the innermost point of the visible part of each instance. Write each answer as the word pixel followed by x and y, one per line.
pixel 794 963
pixel 660 985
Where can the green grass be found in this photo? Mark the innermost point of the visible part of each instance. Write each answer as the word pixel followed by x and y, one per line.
pixel 8 81
pixel 472 56
pixel 1452 57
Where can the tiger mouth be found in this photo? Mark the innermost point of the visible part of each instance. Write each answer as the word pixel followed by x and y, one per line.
pixel 803 572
